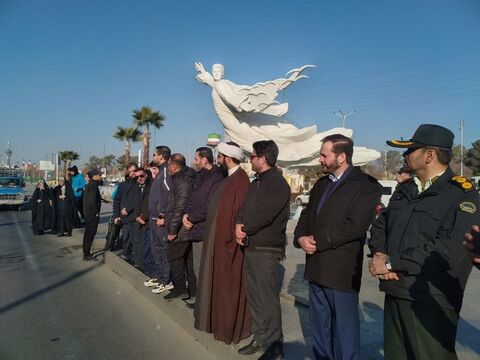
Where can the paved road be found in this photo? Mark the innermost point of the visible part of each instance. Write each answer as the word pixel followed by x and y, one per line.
pixel 56 306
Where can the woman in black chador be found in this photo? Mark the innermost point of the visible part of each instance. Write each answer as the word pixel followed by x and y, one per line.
pixel 41 202
pixel 64 202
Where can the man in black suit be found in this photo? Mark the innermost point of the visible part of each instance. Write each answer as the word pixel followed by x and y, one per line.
pixel 141 239
pixel 332 230
pixel 91 209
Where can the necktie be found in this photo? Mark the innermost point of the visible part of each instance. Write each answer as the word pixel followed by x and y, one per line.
pixel 326 194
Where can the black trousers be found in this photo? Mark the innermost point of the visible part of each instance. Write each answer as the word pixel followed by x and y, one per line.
pixel 418 331
pixel 180 257
pixel 91 225
pixel 78 208
pixel 263 296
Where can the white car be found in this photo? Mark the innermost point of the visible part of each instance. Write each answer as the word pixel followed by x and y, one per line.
pixel 302 199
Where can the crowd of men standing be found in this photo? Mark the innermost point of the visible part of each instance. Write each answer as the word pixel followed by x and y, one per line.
pixel 214 238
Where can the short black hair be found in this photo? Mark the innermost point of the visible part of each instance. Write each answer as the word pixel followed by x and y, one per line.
pixel 152 164
pixel 130 164
pixel 268 149
pixel 205 153
pixel 341 144
pixel 178 159
pixel 164 151
pixel 444 155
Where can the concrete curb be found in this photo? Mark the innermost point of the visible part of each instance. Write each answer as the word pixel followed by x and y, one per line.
pixel 176 309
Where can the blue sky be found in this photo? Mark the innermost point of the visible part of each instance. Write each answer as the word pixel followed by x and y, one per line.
pixel 72 71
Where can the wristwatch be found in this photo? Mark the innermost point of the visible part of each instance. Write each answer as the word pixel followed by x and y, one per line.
pixel 388 264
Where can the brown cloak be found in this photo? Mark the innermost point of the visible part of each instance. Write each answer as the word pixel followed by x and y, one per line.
pixel 221 305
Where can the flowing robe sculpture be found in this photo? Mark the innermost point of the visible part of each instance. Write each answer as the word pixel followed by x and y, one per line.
pixel 251 113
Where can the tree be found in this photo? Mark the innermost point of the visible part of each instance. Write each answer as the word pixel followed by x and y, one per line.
pixel 472 157
pixel 456 153
pixel 145 118
pixel 129 135
pixel 67 156
pixel 122 163
pixel 95 162
pixel 392 162
pixel 375 168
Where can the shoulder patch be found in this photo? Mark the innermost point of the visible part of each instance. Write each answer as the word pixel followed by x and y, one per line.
pixel 462 182
pixel 468 207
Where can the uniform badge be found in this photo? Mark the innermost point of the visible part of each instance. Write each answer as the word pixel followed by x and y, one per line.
pixel 468 207
pixel 462 182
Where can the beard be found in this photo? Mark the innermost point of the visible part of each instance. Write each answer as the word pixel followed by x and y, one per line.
pixel 330 169
pixel 223 168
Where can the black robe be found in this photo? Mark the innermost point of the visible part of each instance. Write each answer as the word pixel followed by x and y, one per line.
pixel 64 209
pixel 41 202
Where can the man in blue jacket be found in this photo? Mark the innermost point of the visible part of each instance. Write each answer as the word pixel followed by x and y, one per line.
pixel 78 185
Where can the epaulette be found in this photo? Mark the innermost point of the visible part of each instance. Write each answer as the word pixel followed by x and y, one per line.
pixel 462 182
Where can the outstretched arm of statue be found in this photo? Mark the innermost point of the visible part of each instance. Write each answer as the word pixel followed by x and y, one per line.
pixel 203 76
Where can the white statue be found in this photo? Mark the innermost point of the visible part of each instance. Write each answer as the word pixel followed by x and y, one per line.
pixel 250 113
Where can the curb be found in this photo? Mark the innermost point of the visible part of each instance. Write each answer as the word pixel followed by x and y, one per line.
pixel 176 309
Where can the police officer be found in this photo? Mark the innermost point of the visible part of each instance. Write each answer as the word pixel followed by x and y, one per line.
pixel 417 250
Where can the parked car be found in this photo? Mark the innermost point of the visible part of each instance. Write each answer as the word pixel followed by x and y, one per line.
pixel 302 199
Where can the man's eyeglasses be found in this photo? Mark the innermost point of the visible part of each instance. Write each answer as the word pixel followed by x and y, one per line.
pixel 253 156
pixel 140 176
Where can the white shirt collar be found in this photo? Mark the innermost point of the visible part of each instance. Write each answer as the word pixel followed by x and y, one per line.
pixel 232 170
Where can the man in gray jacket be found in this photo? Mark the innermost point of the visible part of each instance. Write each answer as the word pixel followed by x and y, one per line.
pixel 157 204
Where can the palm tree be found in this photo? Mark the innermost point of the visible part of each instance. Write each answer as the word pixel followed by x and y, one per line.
pixel 67 156
pixel 129 135
pixel 146 117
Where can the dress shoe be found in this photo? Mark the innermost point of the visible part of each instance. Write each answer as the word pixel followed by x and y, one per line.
pixel 89 258
pixel 251 348
pixel 273 352
pixel 176 293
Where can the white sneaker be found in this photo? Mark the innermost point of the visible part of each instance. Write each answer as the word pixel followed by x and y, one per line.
pixel 161 288
pixel 151 283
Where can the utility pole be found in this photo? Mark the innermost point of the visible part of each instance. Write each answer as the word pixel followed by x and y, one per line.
pixel 461 148
pixel 343 115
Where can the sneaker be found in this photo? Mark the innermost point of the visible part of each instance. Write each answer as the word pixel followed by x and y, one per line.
pixel 151 283
pixel 161 288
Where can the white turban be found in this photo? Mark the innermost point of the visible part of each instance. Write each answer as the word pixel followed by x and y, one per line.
pixel 230 151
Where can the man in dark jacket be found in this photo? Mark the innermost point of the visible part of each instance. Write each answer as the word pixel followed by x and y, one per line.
pixel 332 231
pixel 179 248
pixel 418 253
pixel 207 181
pixel 141 228
pixel 157 205
pixel 91 209
pixel 260 227
pixel 124 208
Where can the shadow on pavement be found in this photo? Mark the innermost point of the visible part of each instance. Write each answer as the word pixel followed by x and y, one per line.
pixel 40 292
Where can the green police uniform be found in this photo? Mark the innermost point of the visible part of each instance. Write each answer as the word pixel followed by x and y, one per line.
pixel 422 231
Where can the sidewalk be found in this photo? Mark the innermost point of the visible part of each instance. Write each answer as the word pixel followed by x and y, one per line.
pixel 294 300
